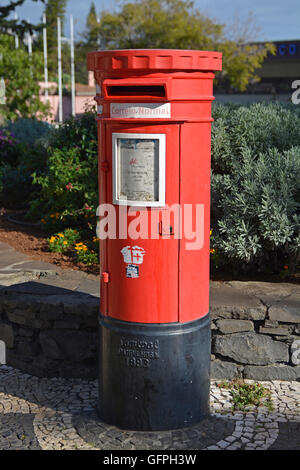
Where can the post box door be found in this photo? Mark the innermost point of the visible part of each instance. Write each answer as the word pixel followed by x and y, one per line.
pixel 143 272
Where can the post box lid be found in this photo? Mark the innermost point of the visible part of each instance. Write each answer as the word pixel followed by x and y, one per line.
pixel 154 59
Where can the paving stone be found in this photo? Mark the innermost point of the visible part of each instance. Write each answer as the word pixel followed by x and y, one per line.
pixel 12 259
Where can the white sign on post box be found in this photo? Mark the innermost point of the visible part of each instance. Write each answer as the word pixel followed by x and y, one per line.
pixel 140 110
pixel 139 169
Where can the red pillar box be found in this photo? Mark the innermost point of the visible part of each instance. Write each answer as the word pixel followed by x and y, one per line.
pixel 154 128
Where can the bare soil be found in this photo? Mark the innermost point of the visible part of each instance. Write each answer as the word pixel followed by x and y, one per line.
pixel 32 241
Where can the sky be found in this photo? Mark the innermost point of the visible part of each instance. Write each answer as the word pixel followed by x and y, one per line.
pixel 275 19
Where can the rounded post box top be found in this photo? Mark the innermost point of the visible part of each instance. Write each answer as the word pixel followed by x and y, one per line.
pixel 154 59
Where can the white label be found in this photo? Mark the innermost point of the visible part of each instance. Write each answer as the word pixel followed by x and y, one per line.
pixel 139 169
pixel 138 165
pixel 140 110
pixel 133 255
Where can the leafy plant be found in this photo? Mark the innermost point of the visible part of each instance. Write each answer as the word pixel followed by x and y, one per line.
pixel 62 241
pixel 86 256
pixel 248 394
pixel 29 131
pixel 69 183
pixel 21 78
pixel 256 187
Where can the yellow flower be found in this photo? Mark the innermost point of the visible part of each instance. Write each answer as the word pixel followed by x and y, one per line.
pixel 60 235
pixel 212 251
pixel 95 239
pixel 52 239
pixel 65 242
pixel 43 221
pixel 210 232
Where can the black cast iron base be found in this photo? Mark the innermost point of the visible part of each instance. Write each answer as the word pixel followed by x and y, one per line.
pixel 154 376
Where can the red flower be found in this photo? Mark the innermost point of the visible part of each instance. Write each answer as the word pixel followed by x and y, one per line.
pixel 69 186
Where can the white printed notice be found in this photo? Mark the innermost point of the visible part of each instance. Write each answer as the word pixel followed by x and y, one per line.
pixel 140 110
pixel 138 169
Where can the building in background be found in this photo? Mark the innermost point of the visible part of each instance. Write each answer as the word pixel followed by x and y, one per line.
pixel 84 98
pixel 277 75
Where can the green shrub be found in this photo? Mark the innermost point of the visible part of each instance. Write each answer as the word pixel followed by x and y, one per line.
pixel 15 186
pixel 9 148
pixel 29 131
pixel 258 127
pixel 18 160
pixel 256 187
pixel 67 189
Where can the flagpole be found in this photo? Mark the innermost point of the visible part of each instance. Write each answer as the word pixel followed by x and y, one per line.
pixel 60 104
pixel 16 35
pixel 45 57
pixel 29 41
pixel 72 64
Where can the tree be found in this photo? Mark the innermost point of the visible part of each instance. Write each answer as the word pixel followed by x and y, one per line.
pixel 13 25
pixel 91 34
pixel 89 42
pixel 176 24
pixel 21 76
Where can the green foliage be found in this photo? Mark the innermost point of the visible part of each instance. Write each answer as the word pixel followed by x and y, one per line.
pixel 68 188
pixel 62 241
pixel 66 242
pixel 177 24
pixel 21 76
pixel 86 256
pixel 245 395
pixel 19 27
pixel 29 131
pixel 15 186
pixel 256 186
pixel 22 151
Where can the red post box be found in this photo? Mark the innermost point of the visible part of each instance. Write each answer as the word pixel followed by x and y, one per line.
pixel 154 128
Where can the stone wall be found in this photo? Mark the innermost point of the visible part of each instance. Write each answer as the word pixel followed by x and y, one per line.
pixel 52 332
pixel 49 332
pixel 261 343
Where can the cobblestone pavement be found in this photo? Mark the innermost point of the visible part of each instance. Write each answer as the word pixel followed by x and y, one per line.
pixel 57 414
